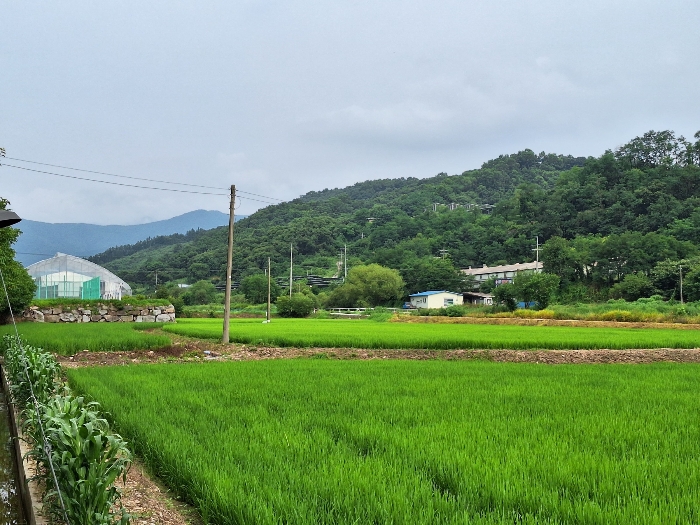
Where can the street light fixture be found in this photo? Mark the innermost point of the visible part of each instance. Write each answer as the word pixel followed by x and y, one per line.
pixel 8 218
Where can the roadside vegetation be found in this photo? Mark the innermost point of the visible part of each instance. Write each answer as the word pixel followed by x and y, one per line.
pixel 341 442
pixel 79 459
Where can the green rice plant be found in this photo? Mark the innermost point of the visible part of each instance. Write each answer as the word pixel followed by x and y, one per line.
pixel 343 333
pixel 320 441
pixel 69 338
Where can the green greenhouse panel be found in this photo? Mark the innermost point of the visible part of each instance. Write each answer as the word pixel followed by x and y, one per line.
pixel 91 289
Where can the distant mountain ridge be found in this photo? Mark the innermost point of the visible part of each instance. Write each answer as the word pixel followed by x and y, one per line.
pixel 41 240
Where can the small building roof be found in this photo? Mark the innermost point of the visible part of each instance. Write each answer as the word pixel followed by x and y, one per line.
pixel 479 294
pixel 517 267
pixel 433 292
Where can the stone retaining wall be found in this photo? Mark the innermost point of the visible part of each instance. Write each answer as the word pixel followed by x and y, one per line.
pixel 102 313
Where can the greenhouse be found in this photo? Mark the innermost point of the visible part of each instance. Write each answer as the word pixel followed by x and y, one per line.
pixel 68 276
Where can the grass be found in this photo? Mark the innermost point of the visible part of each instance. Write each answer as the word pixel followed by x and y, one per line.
pixel 338 442
pixel 69 338
pixel 368 334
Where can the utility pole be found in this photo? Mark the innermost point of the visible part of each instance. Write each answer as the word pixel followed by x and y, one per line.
pixel 537 253
pixel 229 267
pixel 443 252
pixel 345 264
pixel 269 271
pixel 156 278
pixel 291 267
pixel 680 269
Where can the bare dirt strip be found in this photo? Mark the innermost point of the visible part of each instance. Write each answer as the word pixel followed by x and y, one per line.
pixel 151 504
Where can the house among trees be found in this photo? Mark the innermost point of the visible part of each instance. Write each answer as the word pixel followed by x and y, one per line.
pixel 435 299
pixel 501 274
pixel 479 298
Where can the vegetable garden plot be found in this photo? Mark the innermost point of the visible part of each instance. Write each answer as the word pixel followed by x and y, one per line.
pixel 315 441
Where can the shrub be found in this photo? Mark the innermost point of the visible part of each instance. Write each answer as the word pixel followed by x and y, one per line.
pixel 298 305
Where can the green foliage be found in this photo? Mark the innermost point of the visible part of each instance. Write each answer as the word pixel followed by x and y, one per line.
pixel 632 287
pixel 507 296
pixel 537 288
pixel 254 287
pixel 369 286
pixel 298 305
pixel 69 435
pixel 201 292
pixel 341 333
pixel 438 442
pixel 20 286
pixel 430 273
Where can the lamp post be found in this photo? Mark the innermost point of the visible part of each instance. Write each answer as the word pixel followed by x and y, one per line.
pixel 8 218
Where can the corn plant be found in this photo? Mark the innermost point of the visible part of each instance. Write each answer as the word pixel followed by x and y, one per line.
pixel 40 367
pixel 87 459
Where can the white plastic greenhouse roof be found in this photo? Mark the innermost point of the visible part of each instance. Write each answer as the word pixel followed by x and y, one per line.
pixel 62 262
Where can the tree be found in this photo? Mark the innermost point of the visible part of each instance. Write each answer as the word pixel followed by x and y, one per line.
pixel 506 295
pixel 369 286
pixel 536 287
pixel 201 292
pixel 430 273
pixel 632 287
pixel 298 305
pixel 254 287
pixel 20 286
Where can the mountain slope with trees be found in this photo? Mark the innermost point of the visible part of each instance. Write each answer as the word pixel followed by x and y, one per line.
pixel 601 219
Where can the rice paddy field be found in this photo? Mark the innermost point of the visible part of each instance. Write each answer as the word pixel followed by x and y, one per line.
pixel 342 333
pixel 69 338
pixel 393 442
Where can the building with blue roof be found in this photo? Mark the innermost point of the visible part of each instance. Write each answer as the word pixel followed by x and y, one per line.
pixel 435 299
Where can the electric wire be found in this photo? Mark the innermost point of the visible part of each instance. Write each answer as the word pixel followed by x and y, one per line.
pixel 140 178
pixel 130 185
pixel 35 402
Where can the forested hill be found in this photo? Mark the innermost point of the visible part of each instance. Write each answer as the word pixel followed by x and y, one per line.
pixel 638 203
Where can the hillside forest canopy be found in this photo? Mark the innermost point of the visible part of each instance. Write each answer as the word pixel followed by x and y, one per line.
pixel 623 224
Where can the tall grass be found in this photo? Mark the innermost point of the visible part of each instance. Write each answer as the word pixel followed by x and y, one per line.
pixel 368 334
pixel 338 442
pixel 69 338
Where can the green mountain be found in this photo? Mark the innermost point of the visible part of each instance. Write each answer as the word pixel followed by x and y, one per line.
pixel 619 213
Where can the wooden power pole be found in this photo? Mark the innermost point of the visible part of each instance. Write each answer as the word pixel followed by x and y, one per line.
pixel 229 268
pixel 269 271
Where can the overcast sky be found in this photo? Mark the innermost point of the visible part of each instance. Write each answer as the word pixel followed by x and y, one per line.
pixel 284 97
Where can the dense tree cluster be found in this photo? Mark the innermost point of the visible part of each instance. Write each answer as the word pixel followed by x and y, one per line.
pixel 601 219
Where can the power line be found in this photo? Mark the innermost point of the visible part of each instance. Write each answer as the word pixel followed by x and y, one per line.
pixel 113 175
pixel 138 178
pixel 131 185
pixel 108 182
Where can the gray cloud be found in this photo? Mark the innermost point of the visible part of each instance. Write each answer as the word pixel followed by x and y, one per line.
pixel 285 97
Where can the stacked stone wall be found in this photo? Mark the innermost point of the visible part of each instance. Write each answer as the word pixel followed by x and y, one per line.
pixel 101 313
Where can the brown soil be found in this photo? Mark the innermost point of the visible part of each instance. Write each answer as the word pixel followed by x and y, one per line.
pixel 152 504
pixel 149 503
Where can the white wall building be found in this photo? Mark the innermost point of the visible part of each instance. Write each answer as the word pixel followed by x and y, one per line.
pixel 502 274
pixel 435 299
